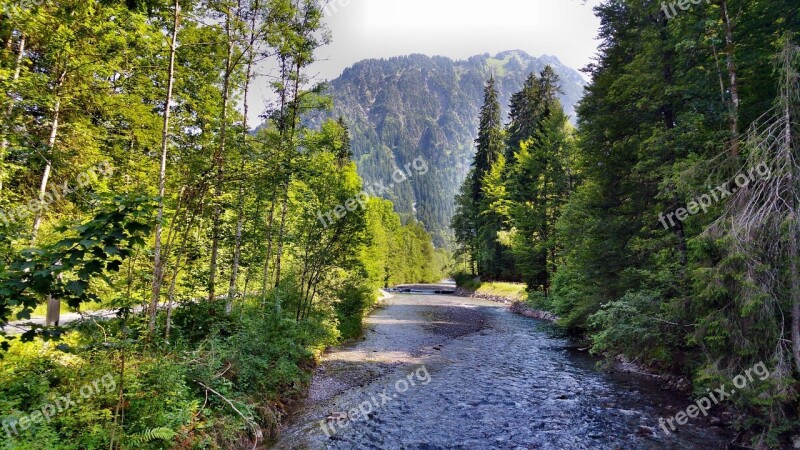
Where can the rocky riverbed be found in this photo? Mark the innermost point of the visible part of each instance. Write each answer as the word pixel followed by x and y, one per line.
pixel 442 372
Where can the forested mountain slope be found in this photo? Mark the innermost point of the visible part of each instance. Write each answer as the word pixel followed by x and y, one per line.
pixel 402 108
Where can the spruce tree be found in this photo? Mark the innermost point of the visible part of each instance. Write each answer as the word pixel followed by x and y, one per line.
pixel 537 182
pixel 490 147
pixel 470 222
pixel 490 139
pixel 525 113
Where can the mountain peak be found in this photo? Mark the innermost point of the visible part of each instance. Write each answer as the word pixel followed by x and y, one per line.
pixel 520 54
pixel 418 106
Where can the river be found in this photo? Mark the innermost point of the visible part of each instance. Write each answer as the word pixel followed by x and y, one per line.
pixel 446 372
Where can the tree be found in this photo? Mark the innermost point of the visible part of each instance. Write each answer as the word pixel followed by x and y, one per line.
pixel 158 268
pixel 538 188
pixel 295 39
pixel 761 220
pixel 471 218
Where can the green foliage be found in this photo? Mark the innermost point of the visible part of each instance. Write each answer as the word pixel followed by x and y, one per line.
pixel 399 254
pixel 585 214
pixel 164 434
pixel 682 297
pixel 354 300
pixel 261 357
pixel 424 107
pixel 466 280
pixel 633 325
pixel 67 268
pixel 195 322
pixel 241 282
pixel 34 375
pixel 505 224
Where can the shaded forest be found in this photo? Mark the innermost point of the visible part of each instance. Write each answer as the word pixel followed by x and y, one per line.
pixel 663 228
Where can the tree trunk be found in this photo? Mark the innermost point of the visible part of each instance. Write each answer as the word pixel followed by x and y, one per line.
pixel 290 148
pixel 51 144
pixel 267 260
pixel 171 295
pixel 237 250
pixel 281 232
pixel 4 142
pixel 158 269
pixel 53 316
pixel 219 161
pixel 249 276
pixel 668 113
pixel 184 241
pixel 733 78
pixel 795 292
pixel 794 229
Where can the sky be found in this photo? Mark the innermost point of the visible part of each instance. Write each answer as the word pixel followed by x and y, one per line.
pixel 458 29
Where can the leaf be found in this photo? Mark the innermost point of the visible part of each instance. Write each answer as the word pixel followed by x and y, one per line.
pixel 164 434
pixel 78 287
pixel 25 314
pixel 92 267
pixel 89 243
pixel 134 227
pixel 64 348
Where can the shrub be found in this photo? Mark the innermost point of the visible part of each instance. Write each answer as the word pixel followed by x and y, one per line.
pixel 194 322
pixel 467 281
pixel 354 299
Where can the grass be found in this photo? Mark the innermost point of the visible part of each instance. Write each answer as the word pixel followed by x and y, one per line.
pixel 41 311
pixel 513 291
pixel 498 66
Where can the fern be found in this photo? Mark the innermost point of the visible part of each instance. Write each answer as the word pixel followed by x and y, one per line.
pixel 164 434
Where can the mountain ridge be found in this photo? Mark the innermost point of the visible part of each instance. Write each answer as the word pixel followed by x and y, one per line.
pixel 403 107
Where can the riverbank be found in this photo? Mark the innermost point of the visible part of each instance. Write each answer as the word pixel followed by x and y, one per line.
pixel 496 380
pixel 498 292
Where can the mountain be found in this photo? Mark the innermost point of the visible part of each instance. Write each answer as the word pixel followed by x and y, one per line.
pixel 425 108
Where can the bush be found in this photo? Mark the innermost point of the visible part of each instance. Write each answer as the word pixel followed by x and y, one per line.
pixel 34 375
pixel 194 322
pixel 173 392
pixel 355 299
pixel 632 327
pixel 537 300
pixel 467 281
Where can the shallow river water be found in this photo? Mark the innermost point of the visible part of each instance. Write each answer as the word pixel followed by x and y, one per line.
pixel 444 372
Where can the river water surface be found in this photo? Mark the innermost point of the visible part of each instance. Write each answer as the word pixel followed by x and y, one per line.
pixel 445 372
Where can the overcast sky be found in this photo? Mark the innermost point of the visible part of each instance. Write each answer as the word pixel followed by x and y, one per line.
pixel 455 28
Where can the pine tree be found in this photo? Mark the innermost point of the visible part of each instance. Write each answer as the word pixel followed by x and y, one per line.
pixel 489 144
pixel 526 110
pixel 537 181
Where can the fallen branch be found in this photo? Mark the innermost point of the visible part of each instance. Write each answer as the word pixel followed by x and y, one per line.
pixel 250 422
